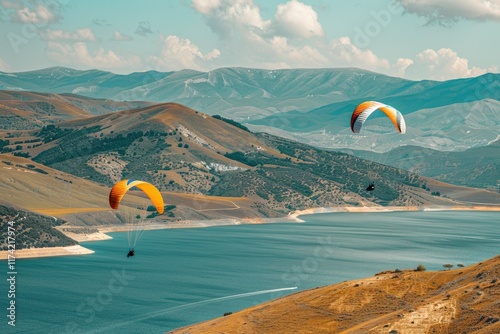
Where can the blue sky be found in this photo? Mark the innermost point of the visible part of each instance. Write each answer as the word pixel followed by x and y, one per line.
pixel 427 39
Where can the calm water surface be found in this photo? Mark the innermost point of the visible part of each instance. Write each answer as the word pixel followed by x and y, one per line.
pixel 182 276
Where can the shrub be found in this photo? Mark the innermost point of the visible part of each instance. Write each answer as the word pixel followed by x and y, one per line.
pixel 230 121
pixel 22 154
pixel 420 267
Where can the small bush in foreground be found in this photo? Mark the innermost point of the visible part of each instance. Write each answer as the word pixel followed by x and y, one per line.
pixel 420 267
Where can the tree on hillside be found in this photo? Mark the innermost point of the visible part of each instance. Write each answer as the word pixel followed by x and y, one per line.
pixel 448 266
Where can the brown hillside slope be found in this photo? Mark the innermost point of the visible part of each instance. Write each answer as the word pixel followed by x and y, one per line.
pixel 465 300
pixel 26 110
pixel 203 130
pixel 76 105
pixel 34 187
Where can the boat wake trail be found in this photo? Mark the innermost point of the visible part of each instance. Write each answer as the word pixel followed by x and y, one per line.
pixel 180 307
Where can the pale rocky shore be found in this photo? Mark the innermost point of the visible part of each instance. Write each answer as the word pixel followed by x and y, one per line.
pixel 47 252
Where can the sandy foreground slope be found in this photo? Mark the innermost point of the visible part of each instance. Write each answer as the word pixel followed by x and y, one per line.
pixel 464 300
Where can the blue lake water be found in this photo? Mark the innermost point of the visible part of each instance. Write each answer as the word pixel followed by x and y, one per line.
pixel 182 276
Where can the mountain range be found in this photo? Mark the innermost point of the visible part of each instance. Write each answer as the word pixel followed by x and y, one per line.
pixel 312 106
pixel 309 105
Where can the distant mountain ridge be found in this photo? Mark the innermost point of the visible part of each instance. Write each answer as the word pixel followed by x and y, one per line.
pixel 312 106
pixel 228 91
pixel 306 103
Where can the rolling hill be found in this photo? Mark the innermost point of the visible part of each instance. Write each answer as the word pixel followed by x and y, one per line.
pixel 182 150
pixel 310 105
pixel 31 230
pixel 207 168
pixel 456 125
pixel 475 167
pixel 30 110
pixel 61 202
pixel 231 89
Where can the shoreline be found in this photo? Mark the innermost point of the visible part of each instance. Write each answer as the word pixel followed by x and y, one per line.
pixel 367 209
pixel 30 253
pixel 292 217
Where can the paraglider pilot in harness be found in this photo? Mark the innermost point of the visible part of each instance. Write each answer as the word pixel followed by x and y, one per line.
pixel 118 191
pixel 370 187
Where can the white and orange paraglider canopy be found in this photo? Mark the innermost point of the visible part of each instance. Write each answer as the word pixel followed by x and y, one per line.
pixel 365 109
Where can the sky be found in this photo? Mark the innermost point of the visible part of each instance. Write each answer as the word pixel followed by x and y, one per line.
pixel 412 39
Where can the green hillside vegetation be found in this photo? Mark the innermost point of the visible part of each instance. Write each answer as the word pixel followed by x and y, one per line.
pixel 76 146
pixel 218 158
pixel 475 167
pixel 318 178
pixel 31 230
pixel 232 122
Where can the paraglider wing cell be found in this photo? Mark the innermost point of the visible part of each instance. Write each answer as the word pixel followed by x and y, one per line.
pixel 365 109
pixel 119 189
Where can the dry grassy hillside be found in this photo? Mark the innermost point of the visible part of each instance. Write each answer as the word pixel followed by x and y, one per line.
pixel 22 110
pixel 26 110
pixel 31 186
pixel 464 300
pixel 181 150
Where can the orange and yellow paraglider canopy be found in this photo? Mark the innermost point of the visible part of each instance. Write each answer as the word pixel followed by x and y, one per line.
pixel 118 191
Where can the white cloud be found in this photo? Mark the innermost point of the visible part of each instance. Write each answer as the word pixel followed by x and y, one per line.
pixel 39 14
pixel 401 65
pixel 78 55
pixel 81 35
pixel 443 64
pixel 295 19
pixel 11 4
pixel 118 36
pixel 205 6
pixel 295 56
pixel 344 53
pixel 446 12
pixel 249 40
pixel 177 54
pixel 225 17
